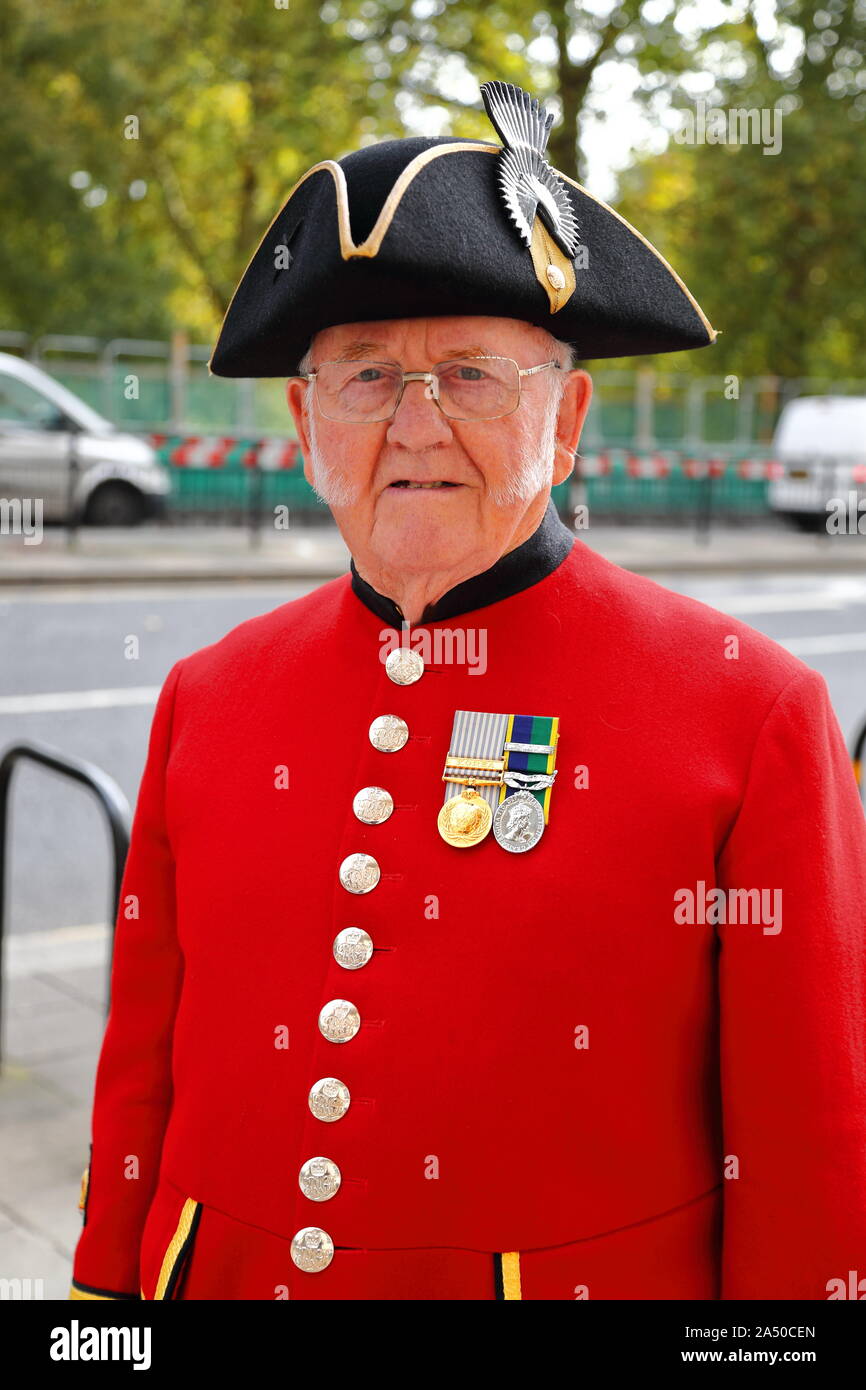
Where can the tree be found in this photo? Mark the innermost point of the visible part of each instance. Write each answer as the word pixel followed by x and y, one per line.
pixel 777 239
pixel 145 150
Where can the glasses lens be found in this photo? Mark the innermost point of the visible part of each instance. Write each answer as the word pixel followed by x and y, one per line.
pixel 357 391
pixel 479 388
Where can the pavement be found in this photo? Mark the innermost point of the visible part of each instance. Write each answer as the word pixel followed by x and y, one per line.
pixel 53 1019
pixel 188 553
pixel 55 981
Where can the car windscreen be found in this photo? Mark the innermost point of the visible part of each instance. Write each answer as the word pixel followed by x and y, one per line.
pixel 54 391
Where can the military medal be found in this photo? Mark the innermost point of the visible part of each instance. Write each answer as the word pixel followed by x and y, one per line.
pixel 464 820
pixel 529 753
pixel 498 774
pixel 472 777
pixel 519 822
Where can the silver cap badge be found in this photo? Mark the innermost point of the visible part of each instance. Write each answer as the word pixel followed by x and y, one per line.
pixel 526 180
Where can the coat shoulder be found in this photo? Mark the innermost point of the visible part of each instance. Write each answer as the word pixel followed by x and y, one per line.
pixel 676 639
pixel 283 633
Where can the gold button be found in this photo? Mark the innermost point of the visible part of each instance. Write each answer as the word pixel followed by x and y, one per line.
pixel 388 733
pixel 359 873
pixel 329 1099
pixel 404 666
pixel 352 948
pixel 319 1179
pixel 339 1020
pixel 373 805
pixel 312 1249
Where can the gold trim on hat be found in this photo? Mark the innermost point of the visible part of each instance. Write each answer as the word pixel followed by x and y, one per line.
pixel 545 252
pixel 348 248
pixel 547 256
pixel 648 244
pixel 371 246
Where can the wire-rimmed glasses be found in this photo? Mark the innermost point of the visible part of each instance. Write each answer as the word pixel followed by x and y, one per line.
pixel 465 388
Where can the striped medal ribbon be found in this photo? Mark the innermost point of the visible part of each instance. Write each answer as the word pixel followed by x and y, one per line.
pixel 498 775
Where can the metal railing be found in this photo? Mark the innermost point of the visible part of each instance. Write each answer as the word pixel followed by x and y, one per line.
pixel 113 803
pixel 157 386
pixel 857 756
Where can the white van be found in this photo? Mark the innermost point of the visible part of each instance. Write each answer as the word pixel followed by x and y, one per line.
pixel 821 443
pixel 44 428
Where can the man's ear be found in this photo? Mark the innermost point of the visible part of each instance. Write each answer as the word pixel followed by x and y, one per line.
pixel 296 396
pixel 573 408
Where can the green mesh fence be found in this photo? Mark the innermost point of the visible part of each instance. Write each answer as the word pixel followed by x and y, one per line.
pixel 677 414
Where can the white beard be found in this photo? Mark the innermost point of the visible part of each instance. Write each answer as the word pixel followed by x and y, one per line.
pixel 329 485
pixel 534 464
pixel 532 474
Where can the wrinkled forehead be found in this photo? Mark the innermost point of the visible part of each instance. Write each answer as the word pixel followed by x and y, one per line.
pixel 433 339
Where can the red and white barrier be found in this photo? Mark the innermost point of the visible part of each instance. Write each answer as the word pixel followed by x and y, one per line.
pixel 212 451
pixel 274 453
pixel 664 464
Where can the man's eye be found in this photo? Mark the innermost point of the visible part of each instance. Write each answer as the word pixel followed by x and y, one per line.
pixel 467 373
pixel 368 374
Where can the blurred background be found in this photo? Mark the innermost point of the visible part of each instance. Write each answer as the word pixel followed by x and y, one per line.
pixel 143 153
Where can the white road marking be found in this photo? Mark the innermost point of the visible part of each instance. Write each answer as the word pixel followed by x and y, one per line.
pixel 95 593
pixel 826 644
pixel 52 702
pixel 55 702
pixel 61 948
pixel 832 593
pixel 778 603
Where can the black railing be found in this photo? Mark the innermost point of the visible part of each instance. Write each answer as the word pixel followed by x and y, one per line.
pixel 114 804
pixel 857 755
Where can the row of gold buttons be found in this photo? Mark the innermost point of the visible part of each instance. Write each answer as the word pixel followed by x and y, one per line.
pixel 339 1020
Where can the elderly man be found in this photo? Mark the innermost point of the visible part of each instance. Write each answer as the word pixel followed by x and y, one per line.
pixel 538 976
pixel 426 501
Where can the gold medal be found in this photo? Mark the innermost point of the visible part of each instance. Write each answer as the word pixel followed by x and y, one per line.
pixel 465 819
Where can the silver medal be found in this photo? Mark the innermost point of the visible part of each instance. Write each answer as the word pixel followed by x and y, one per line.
pixel 518 824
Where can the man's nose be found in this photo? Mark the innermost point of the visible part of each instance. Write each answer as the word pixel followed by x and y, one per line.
pixel 418 422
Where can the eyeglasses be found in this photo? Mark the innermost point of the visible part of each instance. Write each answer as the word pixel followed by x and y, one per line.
pixel 465 388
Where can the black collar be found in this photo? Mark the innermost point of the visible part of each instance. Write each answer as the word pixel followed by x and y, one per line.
pixel 535 559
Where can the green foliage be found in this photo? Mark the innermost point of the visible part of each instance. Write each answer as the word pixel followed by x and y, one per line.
pixel 230 102
pixel 773 245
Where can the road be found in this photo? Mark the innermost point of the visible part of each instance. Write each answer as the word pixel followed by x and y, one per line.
pixel 67 678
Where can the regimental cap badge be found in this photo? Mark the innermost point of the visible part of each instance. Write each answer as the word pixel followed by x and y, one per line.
pixel 431 226
pixel 528 183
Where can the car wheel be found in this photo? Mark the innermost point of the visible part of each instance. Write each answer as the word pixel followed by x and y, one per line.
pixel 114 504
pixel 813 522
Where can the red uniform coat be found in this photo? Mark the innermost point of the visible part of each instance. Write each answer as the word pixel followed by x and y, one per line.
pixel 552 1066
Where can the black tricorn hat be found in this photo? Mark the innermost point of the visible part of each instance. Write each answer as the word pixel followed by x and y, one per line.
pixel 422 227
